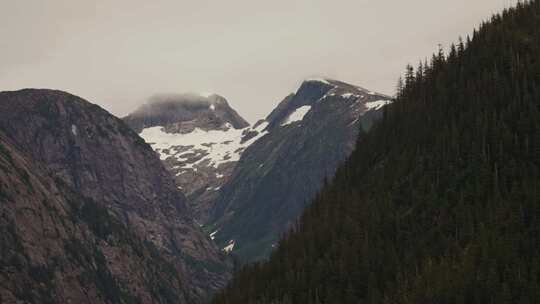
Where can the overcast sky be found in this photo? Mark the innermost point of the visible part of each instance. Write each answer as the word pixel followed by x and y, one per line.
pixel 116 53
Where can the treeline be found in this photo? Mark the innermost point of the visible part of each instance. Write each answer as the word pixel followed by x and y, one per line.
pixel 440 201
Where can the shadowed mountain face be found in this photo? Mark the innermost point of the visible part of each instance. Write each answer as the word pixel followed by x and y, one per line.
pixel 305 138
pixel 89 213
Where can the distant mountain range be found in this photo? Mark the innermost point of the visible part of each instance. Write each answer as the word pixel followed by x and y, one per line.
pixel 90 213
pixel 247 184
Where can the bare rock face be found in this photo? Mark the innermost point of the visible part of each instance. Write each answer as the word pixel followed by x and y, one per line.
pixel 89 213
pixel 306 137
pixel 198 138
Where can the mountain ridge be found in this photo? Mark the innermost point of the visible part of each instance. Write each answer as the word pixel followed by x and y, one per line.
pixel 309 133
pixel 119 203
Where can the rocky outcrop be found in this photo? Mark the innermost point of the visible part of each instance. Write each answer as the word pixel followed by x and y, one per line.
pixel 89 213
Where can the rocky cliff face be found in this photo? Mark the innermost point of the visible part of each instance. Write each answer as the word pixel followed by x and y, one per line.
pixel 89 213
pixel 308 134
pixel 198 138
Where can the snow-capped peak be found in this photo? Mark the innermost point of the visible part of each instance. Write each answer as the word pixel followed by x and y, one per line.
pixel 321 80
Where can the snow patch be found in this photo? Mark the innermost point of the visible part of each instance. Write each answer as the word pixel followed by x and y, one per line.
pixel 74 129
pixel 212 107
pixel 213 234
pixel 375 105
pixel 297 115
pixel 229 247
pixel 215 146
pixel 261 126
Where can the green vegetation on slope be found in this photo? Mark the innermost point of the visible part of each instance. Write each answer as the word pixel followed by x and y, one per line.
pixel 440 201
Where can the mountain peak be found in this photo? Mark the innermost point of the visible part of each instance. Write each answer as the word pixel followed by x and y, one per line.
pixel 318 80
pixel 182 113
pixel 312 91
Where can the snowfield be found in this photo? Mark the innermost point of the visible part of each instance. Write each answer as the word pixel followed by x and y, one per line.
pixel 213 146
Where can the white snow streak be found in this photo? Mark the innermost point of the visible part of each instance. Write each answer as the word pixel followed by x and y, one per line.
pixel 375 105
pixel 297 115
pixel 318 80
pixel 229 247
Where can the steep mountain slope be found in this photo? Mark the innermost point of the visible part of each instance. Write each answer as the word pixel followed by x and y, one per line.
pixel 305 138
pixel 89 212
pixel 199 139
pixel 439 203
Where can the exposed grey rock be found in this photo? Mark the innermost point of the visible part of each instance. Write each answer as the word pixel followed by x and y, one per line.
pixel 86 201
pixel 193 166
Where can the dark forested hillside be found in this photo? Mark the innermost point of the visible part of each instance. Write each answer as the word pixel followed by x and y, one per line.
pixel 440 201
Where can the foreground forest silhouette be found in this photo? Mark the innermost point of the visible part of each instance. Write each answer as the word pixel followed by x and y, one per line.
pixel 440 201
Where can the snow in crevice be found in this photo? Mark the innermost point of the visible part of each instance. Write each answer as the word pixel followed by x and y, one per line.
pixel 376 105
pixel 229 247
pixel 297 115
pixel 261 126
pixel 74 130
pixel 213 234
